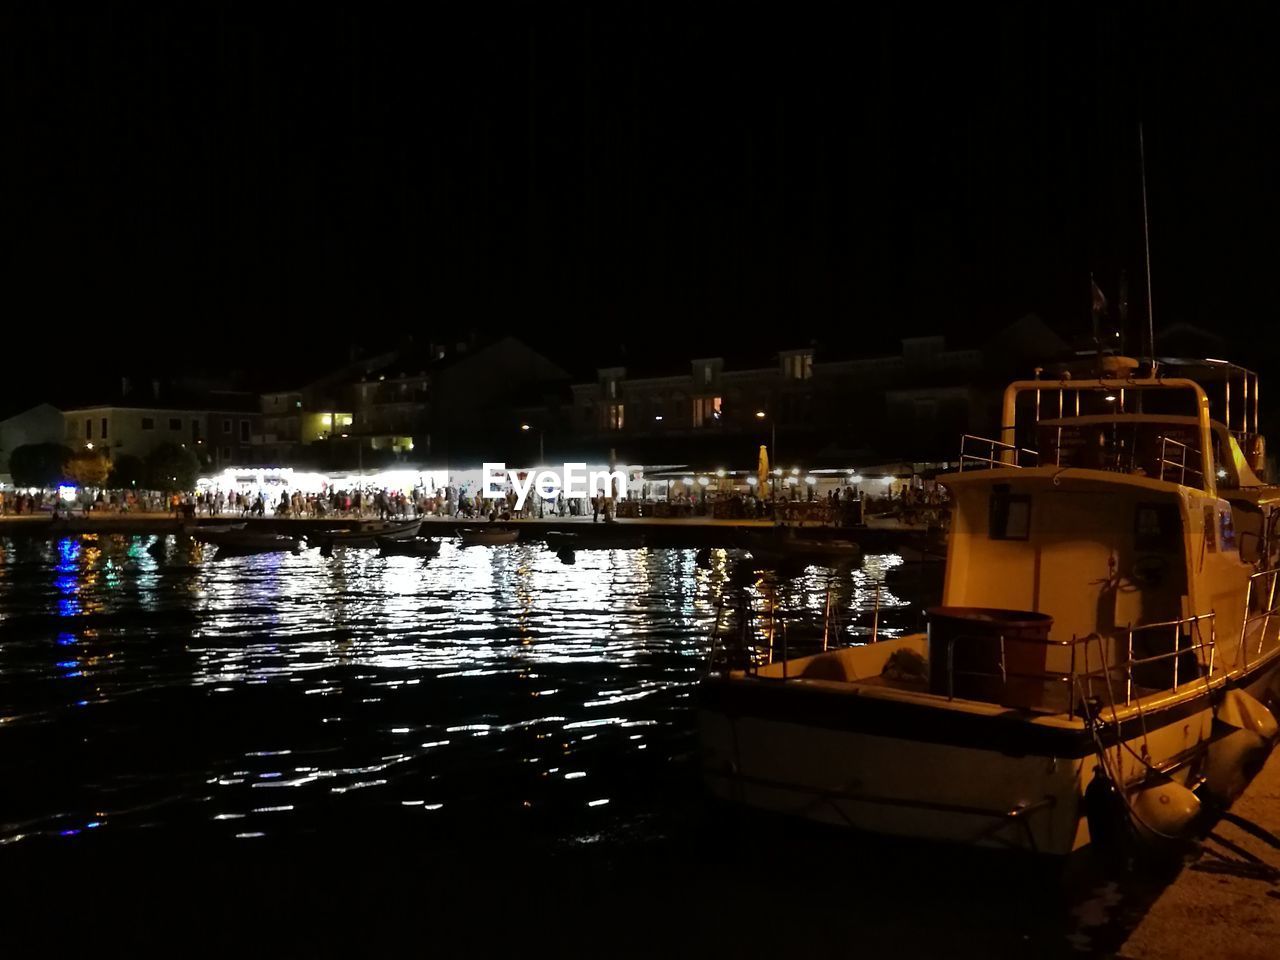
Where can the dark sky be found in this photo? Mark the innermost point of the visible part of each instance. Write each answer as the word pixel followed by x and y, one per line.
pixel 270 185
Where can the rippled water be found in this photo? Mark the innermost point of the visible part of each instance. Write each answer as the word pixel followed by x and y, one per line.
pixel 490 720
pixel 275 694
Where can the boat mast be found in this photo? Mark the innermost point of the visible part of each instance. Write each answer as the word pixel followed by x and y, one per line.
pixel 1146 242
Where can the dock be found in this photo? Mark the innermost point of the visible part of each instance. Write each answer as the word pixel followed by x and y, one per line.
pixel 1227 903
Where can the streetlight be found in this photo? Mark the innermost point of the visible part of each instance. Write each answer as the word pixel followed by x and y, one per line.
pixel 526 428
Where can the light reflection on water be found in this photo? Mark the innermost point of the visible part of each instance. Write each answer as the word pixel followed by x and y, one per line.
pixel 285 694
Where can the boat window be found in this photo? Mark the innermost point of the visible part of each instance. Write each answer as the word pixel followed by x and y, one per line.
pixel 1226 529
pixel 1210 530
pixel 1157 526
pixel 1010 516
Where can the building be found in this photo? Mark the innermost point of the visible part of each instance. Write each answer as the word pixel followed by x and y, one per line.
pixel 222 432
pixel 42 423
pixel 426 403
pixel 806 403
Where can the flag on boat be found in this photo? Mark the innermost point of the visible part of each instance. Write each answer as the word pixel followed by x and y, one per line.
pixel 762 467
pixel 1099 301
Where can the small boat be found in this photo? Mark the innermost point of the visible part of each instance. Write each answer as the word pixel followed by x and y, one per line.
pixel 367 535
pixel 203 531
pixel 594 539
pixel 785 548
pixel 487 536
pixel 238 544
pixel 415 547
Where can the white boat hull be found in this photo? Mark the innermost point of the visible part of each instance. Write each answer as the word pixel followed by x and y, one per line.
pixel 927 782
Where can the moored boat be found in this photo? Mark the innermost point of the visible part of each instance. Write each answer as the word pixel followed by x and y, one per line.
pixel 592 539
pixel 783 546
pixel 207 532
pixel 408 547
pixel 365 535
pixel 1108 639
pixel 487 535
pixel 234 543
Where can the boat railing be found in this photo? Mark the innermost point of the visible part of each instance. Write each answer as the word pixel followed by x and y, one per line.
pixel 1169 448
pixel 737 646
pixel 1261 605
pixel 1189 628
pixel 982 453
pixel 1022 687
pixel 1028 686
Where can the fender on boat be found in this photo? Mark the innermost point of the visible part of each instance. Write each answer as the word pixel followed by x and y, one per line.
pixel 1245 713
pixel 1163 812
pixel 1232 758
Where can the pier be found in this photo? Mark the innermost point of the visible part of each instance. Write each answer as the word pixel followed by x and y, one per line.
pixel 1227 903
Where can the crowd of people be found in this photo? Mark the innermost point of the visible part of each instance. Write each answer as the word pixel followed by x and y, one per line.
pixel 384 504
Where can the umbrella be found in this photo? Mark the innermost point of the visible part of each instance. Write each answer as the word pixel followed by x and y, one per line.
pixel 762 469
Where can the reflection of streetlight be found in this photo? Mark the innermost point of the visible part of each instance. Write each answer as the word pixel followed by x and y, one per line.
pixel 88 446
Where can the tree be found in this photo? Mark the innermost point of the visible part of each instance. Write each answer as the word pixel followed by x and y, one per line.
pixel 87 469
pixel 38 464
pixel 171 467
pixel 127 472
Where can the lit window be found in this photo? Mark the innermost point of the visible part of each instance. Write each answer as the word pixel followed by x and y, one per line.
pixel 706 410
pixel 615 416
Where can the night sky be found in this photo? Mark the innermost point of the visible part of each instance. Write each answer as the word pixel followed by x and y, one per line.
pixel 269 186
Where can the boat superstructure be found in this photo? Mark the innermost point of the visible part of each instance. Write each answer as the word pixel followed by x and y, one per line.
pixel 1109 619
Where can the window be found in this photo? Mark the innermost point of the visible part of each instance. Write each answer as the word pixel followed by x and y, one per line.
pixel 175 423
pixel 104 428
pixel 1226 529
pixel 195 430
pixel 1010 516
pixel 148 423
pixel 88 428
pixel 244 431
pixel 613 389
pixel 224 453
pixel 705 410
pixel 799 366
pixel 226 426
pixel 615 416
pixel 707 373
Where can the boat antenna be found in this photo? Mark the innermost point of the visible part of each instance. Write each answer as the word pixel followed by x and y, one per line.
pixel 1146 243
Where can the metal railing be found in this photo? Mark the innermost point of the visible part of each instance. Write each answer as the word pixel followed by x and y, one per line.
pixel 742 647
pixel 994 453
pixel 1079 676
pixel 1188 627
pixel 1264 598
pixel 1180 465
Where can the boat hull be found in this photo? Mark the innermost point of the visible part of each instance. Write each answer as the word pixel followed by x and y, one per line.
pixel 948 771
pixel 368 536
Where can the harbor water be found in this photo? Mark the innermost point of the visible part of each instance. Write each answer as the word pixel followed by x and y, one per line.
pixel 279 728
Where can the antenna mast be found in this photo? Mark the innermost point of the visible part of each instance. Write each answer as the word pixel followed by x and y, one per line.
pixel 1146 242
